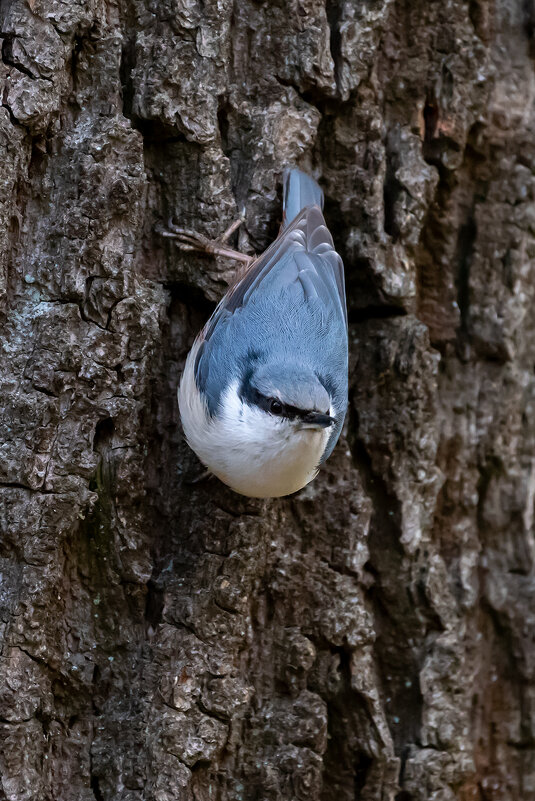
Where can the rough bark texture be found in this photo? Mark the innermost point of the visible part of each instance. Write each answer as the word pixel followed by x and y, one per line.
pixel 373 636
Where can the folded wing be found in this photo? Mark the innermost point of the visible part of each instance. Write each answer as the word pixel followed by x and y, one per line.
pixel 303 252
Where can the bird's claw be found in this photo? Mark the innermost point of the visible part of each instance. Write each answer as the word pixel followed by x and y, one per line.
pixel 192 241
pixel 203 476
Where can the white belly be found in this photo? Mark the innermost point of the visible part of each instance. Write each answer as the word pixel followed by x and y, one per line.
pixel 254 453
pixel 263 470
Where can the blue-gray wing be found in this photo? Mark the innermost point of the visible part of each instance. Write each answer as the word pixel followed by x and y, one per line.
pixel 300 265
pixel 307 236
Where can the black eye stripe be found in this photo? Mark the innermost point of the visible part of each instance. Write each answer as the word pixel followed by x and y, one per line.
pixel 252 396
pixel 291 412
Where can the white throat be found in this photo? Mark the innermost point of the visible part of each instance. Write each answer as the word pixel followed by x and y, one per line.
pixel 255 453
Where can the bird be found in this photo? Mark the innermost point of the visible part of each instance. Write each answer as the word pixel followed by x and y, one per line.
pixel 264 391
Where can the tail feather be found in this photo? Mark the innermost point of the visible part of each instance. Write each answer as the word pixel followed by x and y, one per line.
pixel 300 191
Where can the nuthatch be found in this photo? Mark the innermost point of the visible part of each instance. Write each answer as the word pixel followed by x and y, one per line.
pixel 263 395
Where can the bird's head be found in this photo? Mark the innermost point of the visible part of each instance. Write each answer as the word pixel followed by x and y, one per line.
pixel 288 396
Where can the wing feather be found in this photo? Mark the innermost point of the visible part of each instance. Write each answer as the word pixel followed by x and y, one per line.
pixel 302 256
pixel 307 234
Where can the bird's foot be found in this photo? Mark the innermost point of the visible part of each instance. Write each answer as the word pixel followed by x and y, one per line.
pixel 190 240
pixel 202 476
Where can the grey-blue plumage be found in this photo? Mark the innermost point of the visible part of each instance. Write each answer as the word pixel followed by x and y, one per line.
pixel 300 191
pixel 286 318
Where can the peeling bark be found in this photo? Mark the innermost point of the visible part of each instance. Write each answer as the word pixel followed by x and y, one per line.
pixel 372 636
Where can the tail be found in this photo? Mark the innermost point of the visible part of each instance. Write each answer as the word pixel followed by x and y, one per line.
pixel 300 191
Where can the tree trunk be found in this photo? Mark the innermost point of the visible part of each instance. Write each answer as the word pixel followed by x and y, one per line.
pixel 373 636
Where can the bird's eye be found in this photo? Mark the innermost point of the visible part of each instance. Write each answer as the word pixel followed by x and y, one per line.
pixel 275 406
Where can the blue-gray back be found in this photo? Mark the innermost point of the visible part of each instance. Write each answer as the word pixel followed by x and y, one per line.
pixel 289 307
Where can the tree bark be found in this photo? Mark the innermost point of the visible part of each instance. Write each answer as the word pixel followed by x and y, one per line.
pixel 373 636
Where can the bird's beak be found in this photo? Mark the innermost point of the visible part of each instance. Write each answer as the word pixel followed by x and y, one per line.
pixel 317 420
